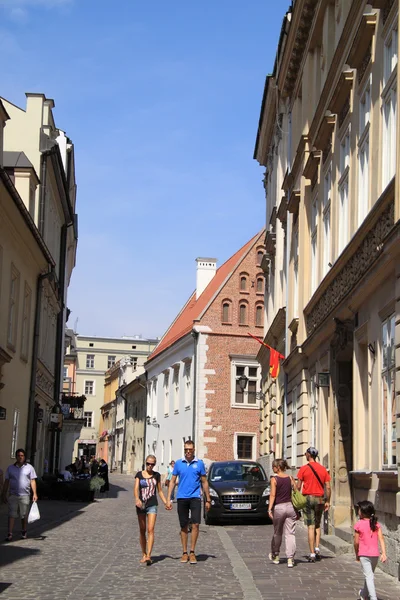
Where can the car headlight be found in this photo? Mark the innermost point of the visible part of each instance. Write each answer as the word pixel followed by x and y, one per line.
pixel 213 493
pixel 267 491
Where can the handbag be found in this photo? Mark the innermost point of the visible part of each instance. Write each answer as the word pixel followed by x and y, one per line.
pixel 34 514
pixel 298 500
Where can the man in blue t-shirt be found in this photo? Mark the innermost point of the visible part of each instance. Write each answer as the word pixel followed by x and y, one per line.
pixel 192 477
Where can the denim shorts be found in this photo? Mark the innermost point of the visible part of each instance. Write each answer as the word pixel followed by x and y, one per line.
pixel 18 506
pixel 150 510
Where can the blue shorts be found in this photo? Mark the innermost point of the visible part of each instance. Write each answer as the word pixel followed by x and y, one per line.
pixel 150 510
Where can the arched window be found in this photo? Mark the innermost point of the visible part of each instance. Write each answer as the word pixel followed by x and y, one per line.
pixel 260 254
pixel 260 285
pixel 243 313
pixel 226 311
pixel 259 315
pixel 244 282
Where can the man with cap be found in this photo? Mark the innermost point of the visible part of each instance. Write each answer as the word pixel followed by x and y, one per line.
pixel 313 480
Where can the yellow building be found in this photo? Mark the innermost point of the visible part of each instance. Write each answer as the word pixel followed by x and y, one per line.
pixel 37 255
pixel 328 140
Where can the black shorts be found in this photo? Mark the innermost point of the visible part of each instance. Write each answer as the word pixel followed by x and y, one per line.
pixel 184 506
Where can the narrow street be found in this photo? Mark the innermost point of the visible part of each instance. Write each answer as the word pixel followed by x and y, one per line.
pixel 92 551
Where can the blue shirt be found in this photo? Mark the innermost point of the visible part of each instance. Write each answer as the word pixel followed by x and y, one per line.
pixel 189 474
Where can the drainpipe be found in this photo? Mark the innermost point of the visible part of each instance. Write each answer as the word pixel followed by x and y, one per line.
pixel 30 438
pixel 123 455
pixel 195 355
pixel 42 197
pixel 145 421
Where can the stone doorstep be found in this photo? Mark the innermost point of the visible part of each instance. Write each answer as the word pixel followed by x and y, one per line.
pixel 336 544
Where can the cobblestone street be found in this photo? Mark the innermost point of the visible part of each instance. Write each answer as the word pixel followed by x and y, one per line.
pixel 92 551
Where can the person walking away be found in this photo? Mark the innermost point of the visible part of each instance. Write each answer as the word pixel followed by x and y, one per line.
pixel 314 483
pixel 367 534
pixel 282 513
pixel 192 479
pixel 103 473
pixel 147 483
pixel 168 478
pixel 94 467
pixel 20 478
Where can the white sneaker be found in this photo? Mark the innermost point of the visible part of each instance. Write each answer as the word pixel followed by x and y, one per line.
pixel 274 558
pixel 290 563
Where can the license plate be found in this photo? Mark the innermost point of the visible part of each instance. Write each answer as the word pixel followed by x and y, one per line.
pixel 241 506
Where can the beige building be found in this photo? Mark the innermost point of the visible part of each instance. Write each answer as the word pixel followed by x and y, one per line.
pixel 96 356
pixel 38 245
pixel 134 394
pixel 328 139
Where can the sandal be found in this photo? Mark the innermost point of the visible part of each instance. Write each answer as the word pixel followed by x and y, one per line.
pixel 148 561
pixel 9 538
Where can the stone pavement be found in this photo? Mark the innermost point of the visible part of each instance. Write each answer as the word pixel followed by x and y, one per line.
pixel 92 552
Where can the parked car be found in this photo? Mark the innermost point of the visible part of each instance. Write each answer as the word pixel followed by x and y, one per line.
pixel 238 488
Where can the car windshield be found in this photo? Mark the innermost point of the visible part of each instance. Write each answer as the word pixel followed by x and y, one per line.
pixel 236 471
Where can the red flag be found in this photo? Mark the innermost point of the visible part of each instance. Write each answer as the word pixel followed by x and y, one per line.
pixel 274 357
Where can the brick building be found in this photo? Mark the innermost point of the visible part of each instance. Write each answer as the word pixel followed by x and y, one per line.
pixel 193 388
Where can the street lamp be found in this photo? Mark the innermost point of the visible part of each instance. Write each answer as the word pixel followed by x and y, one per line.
pixel 243 381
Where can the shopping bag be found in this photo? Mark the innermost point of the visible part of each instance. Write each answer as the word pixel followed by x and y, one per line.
pixel 34 514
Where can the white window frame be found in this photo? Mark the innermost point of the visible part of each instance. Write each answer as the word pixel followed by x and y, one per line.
pixel 188 383
pixel 88 381
pixel 238 434
pixel 111 360
pixel 363 177
pixel 246 364
pixel 154 399
pixel 170 451
pixel 166 384
pixel 388 368
pixel 314 243
pixel 26 322
pixel 326 218
pixel 162 452
pixel 90 361
pixel 13 308
pixel 175 387
pixel 294 428
pixel 313 410
pixel 88 415
pixel 296 270
pixel 15 431
pixel 389 104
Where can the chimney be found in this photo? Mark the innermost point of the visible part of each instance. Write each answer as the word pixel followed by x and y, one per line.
pixel 206 269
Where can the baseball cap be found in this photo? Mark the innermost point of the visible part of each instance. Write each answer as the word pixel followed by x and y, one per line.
pixel 312 451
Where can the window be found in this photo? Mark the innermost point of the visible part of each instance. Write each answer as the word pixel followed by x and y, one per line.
pixel 314 244
pixel 343 209
pixel 295 271
pixel 162 451
pixel 26 322
pixel 13 309
pixel 188 383
pixel 243 282
pixel 14 436
pixel 294 428
pixel 91 344
pixel 260 254
pixel 260 285
pixel 110 361
pixel 363 153
pixel 166 392
pixel 388 393
pixel 89 388
pixel 65 372
pixel 226 311
pixel 243 313
pixel 176 389
pixel 326 216
pixel 134 363
pixel 259 315
pixel 248 396
pixel 88 416
pixel 154 400
pixel 244 447
pixel 170 451
pixel 90 361
pixel 389 107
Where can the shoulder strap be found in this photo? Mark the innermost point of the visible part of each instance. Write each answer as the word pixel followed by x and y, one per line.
pixel 317 476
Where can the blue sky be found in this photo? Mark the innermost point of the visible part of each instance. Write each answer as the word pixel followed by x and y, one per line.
pixel 162 101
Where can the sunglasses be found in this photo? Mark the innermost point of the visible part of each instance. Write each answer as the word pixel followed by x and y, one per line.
pixel 150 464
pixel 189 449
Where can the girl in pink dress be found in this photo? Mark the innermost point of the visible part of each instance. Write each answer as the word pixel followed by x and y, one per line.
pixel 367 534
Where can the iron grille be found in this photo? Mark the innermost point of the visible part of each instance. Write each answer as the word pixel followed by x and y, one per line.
pixel 232 499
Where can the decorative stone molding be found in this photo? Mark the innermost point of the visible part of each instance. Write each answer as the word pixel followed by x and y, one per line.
pixel 282 211
pixel 362 40
pixel 364 63
pixel 294 202
pixel 354 269
pixel 270 243
pixel 44 383
pixel 342 91
pixel 312 164
pixel 324 133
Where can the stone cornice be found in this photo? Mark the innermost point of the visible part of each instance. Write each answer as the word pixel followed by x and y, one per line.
pixel 357 258
pixel 294 202
pixel 312 164
pixel 276 332
pixel 298 159
pixel 336 65
pixel 362 40
pixel 324 133
pixel 342 91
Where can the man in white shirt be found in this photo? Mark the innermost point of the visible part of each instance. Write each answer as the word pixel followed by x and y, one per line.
pixel 20 478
